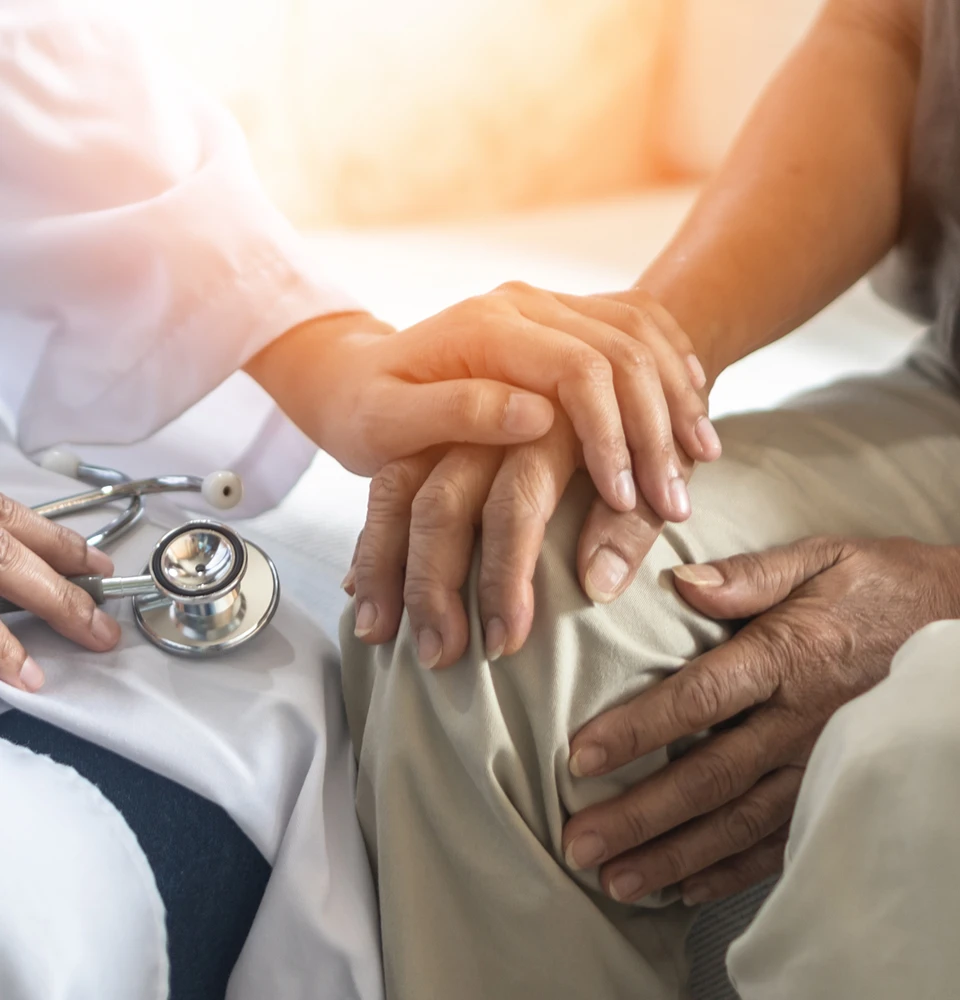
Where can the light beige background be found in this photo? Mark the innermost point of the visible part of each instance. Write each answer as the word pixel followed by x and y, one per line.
pixel 389 111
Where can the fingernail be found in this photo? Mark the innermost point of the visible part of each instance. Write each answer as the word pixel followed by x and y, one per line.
pixel 626 489
pixel 605 575
pixel 679 497
pixel 104 629
pixel 495 638
pixel 31 676
pixel 708 438
pixel 626 887
pixel 429 648
pixel 695 894
pixel 349 580
pixel 587 761
pixel 700 576
pixel 526 415
pixel 99 561
pixel 367 615
pixel 585 851
pixel 697 375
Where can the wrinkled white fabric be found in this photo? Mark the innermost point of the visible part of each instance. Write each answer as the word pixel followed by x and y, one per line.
pixel 74 883
pixel 261 732
pixel 140 261
pixel 141 264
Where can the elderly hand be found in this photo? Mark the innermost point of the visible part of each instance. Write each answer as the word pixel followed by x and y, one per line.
pixel 35 556
pixel 831 615
pixel 418 542
pixel 618 365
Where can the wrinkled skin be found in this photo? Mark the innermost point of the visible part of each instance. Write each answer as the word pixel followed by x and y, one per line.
pixel 826 617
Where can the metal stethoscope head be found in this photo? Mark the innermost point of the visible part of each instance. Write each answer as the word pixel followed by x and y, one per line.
pixel 211 590
pixel 205 590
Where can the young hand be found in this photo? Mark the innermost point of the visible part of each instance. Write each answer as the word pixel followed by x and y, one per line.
pixel 484 372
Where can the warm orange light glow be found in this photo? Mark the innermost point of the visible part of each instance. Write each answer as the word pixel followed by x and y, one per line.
pixel 396 110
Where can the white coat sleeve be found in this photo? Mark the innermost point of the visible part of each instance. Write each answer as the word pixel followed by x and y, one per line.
pixel 140 261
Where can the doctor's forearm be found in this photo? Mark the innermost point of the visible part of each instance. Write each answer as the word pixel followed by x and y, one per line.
pixel 810 196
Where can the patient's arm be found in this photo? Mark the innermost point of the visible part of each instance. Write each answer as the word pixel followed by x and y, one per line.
pixel 810 196
pixel 808 200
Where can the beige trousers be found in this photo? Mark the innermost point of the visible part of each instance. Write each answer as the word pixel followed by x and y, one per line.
pixel 463 784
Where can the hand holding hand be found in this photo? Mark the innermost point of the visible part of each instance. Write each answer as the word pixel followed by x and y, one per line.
pixel 418 541
pixel 831 614
pixel 485 372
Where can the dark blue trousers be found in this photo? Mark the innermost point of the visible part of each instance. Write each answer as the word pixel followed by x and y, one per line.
pixel 209 874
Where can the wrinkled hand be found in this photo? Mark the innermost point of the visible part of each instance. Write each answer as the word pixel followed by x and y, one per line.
pixel 618 366
pixel 35 556
pixel 418 541
pixel 831 615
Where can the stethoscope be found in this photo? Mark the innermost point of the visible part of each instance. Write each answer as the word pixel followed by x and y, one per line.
pixel 205 590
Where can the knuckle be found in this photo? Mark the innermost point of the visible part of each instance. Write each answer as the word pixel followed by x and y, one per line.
pixel 622 733
pixel 593 368
pixel 666 454
pixel 635 830
pixel 12 654
pixel 9 509
pixel 422 596
pixel 634 359
pixel 744 825
pixel 691 401
pixel 438 502
pixel 672 863
pixel 466 402
pixel 392 486
pixel 515 289
pixel 75 604
pixel 697 698
pixel 764 573
pixel 709 781
pixel 10 552
pixel 368 561
pixel 69 543
pixel 638 320
pixel 507 510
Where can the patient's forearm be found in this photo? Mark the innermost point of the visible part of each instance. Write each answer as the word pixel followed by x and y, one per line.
pixel 810 196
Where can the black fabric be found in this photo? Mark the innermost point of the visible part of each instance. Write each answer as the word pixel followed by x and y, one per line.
pixel 209 874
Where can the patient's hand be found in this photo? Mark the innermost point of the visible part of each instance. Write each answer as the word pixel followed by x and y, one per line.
pixel 830 615
pixel 35 556
pixel 617 365
pixel 417 544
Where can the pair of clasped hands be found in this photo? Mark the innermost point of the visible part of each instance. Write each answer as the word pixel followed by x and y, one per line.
pixel 480 416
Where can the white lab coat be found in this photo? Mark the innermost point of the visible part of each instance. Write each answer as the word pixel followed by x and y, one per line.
pixel 141 264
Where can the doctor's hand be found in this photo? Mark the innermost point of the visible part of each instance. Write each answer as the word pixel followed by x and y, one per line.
pixel 417 545
pixel 831 613
pixel 485 372
pixel 35 556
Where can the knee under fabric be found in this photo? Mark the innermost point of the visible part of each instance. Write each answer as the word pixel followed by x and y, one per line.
pixel 209 875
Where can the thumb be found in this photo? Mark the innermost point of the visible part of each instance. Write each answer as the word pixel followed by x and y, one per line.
pixel 749 584
pixel 474 411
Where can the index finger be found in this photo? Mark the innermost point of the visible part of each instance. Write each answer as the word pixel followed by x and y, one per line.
pixel 60 547
pixel 444 517
pixel 523 498
pixel 709 690
pixel 491 338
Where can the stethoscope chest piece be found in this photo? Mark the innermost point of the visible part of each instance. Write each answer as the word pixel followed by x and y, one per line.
pixel 214 591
